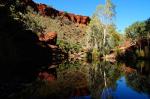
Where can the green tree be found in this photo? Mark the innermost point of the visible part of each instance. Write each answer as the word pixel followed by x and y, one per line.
pixel 106 14
pixel 116 38
pixel 139 32
pixel 136 31
pixel 98 33
pixel 147 22
pixel 94 33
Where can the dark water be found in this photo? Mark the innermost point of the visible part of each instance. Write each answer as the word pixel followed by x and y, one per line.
pixel 83 80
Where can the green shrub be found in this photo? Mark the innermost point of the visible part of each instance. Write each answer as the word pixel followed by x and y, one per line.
pixel 68 47
pixel 68 32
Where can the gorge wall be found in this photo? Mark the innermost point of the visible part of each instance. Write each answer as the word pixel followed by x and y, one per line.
pixel 49 11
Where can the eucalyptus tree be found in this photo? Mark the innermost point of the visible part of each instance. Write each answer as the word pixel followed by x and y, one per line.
pixel 106 15
pixel 94 33
pixel 98 34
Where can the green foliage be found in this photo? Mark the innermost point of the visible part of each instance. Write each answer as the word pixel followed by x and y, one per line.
pixel 106 12
pixel 94 33
pixel 69 47
pixel 101 33
pixel 68 33
pixel 31 21
pixel 115 36
pixel 109 11
pixel 147 22
pixel 138 30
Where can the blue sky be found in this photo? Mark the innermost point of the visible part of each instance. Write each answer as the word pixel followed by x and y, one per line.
pixel 127 11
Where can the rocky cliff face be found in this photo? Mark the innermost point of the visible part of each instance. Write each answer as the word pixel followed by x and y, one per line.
pixel 49 11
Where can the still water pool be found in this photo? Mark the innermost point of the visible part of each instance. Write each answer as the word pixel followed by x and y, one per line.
pixel 84 80
pixel 119 81
pixel 123 91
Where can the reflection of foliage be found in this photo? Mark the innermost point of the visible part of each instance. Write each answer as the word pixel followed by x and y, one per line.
pixel 70 65
pixel 46 90
pixel 140 80
pixel 74 73
pixel 102 75
pixel 70 75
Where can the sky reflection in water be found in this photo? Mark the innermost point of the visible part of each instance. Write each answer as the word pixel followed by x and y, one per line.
pixel 126 87
pixel 123 91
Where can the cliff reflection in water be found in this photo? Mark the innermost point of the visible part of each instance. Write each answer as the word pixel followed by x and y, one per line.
pixel 96 80
pixel 105 80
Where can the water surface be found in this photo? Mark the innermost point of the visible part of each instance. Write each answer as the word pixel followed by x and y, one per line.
pixel 83 80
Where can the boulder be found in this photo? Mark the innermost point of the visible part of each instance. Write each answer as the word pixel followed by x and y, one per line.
pixel 49 38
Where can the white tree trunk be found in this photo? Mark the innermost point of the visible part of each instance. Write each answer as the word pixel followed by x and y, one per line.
pixel 104 37
pixel 95 44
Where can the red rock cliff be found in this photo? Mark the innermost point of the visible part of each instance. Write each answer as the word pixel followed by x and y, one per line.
pixel 49 11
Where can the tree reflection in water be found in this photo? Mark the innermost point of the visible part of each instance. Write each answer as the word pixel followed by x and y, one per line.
pixel 102 80
pixel 83 80
pixel 140 80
